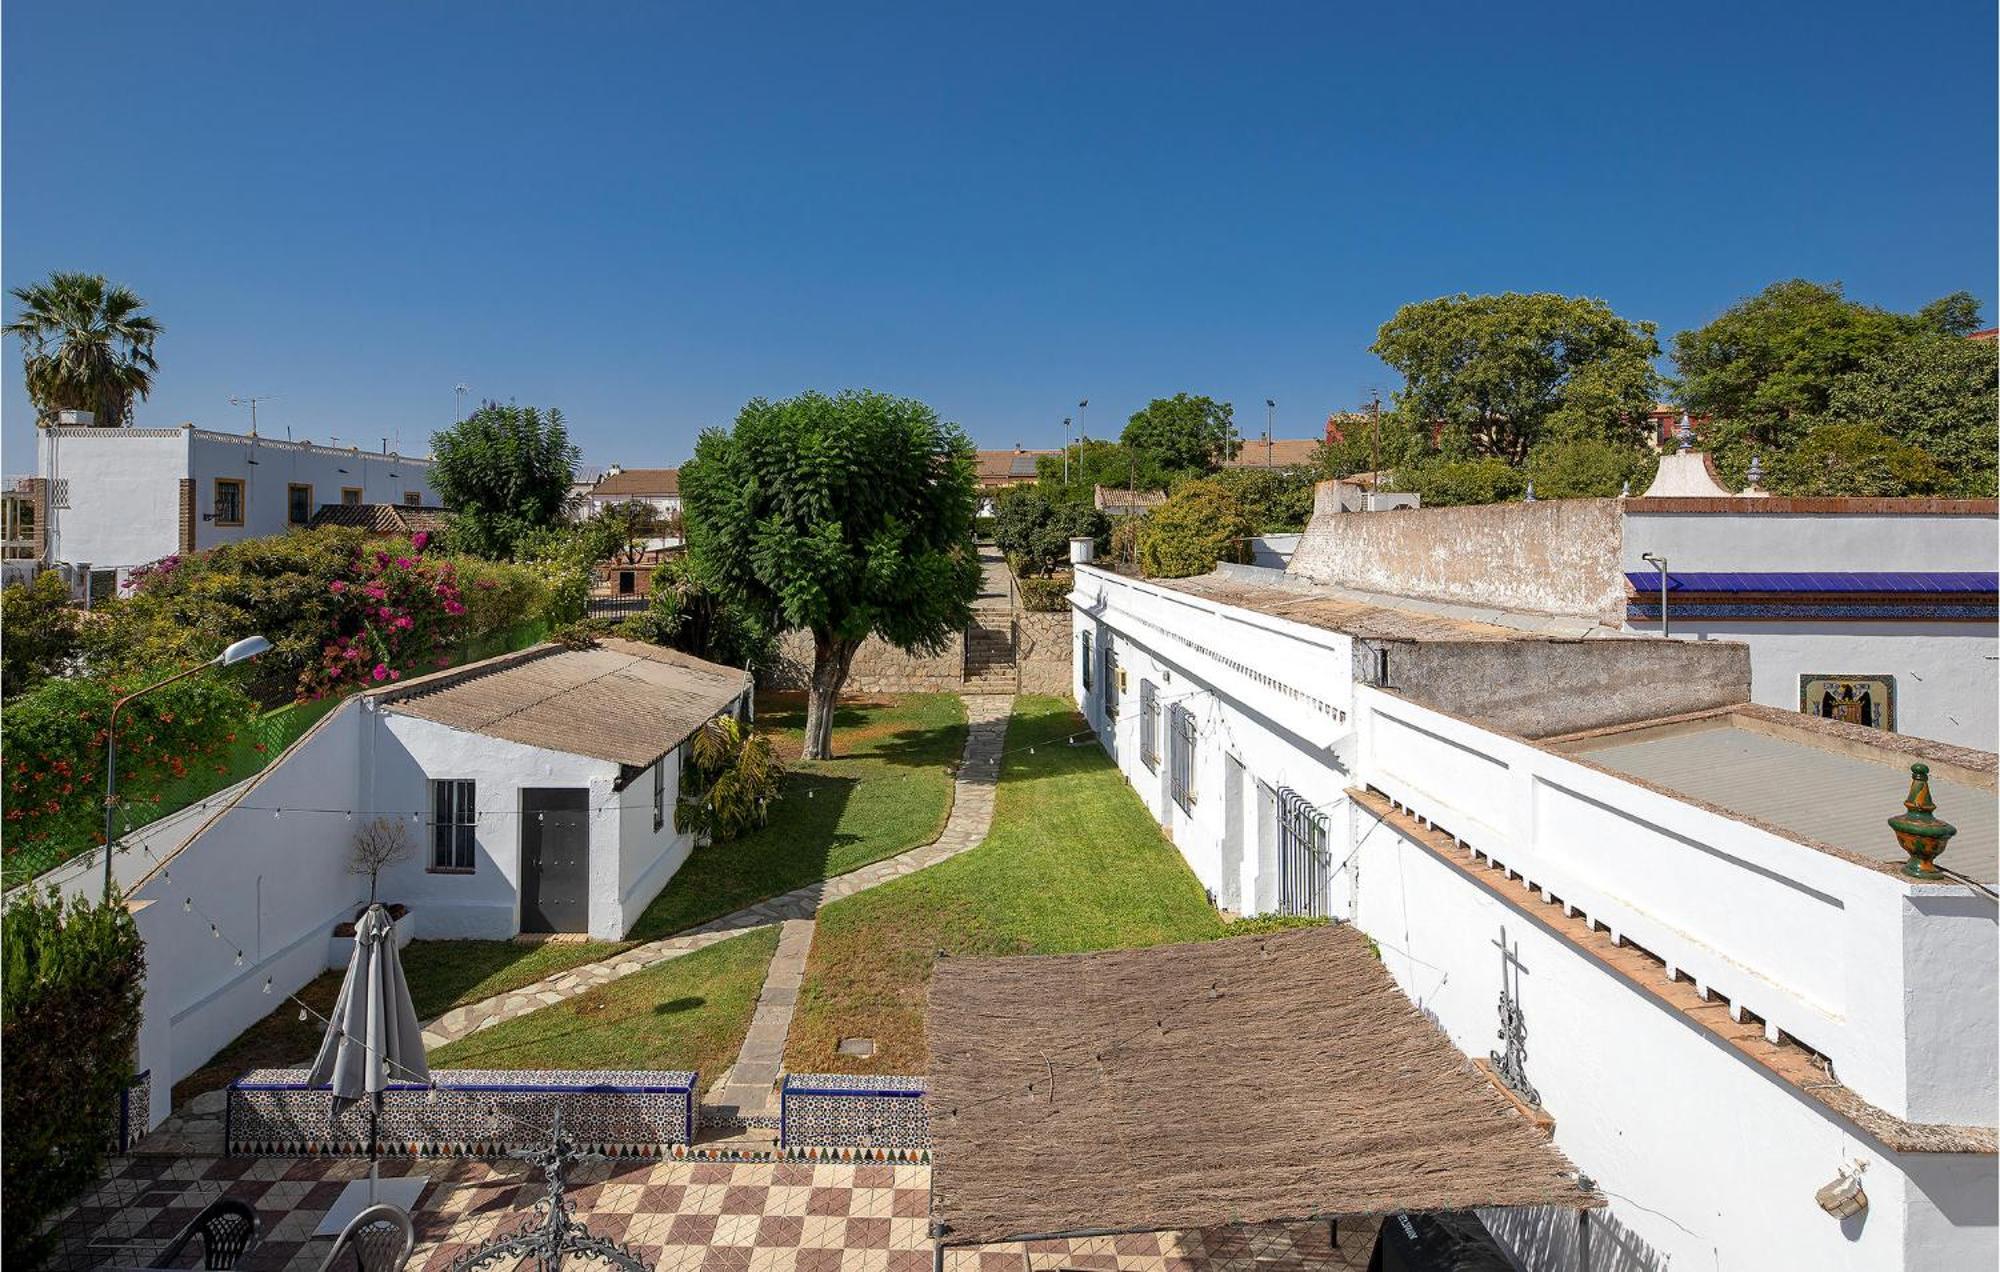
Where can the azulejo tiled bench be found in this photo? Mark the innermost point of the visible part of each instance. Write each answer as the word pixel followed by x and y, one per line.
pixel 466 1113
pixel 870 1112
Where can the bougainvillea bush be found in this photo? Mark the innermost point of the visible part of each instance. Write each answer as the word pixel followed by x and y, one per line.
pixel 399 613
pixel 53 742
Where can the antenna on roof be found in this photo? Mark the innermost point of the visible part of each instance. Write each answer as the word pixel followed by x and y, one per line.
pixel 252 402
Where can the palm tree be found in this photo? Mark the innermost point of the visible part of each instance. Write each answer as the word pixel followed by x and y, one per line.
pixel 86 346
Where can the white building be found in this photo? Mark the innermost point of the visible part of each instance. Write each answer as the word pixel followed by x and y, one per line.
pixel 1724 990
pixel 658 488
pixel 537 790
pixel 114 498
pixel 1835 598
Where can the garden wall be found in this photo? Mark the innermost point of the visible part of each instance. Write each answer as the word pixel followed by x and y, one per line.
pixel 474 1113
pixel 832 1110
pixel 1041 658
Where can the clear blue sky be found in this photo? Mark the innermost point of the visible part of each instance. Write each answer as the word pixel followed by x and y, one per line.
pixel 647 213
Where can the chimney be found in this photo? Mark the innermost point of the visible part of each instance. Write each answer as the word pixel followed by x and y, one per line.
pixel 1333 433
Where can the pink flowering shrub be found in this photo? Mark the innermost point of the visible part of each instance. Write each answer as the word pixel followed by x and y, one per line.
pixel 396 613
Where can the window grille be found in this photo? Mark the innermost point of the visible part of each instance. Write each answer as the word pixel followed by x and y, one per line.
pixel 1304 864
pixel 1111 674
pixel 1084 662
pixel 1180 756
pixel 659 792
pixel 454 823
pixel 1149 725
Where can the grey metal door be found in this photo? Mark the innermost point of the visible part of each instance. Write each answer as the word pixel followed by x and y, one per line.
pixel 1305 865
pixel 555 859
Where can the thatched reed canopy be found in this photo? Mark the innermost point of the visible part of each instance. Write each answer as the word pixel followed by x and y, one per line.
pixel 1250 1080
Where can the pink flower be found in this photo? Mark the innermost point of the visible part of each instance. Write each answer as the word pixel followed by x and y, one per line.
pixel 395 675
pixel 381 672
pixel 338 585
pixel 403 563
pixel 453 607
pixel 403 622
pixel 420 540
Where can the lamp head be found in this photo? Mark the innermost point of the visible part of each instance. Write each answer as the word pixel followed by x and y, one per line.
pixel 248 647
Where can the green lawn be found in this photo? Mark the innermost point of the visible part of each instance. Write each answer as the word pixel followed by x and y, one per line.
pixel 690 1013
pixel 888 790
pixel 1073 862
pixel 442 975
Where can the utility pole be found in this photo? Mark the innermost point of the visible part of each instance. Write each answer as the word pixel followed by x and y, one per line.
pixel 252 402
pixel 1375 448
pixel 1270 426
pixel 1082 429
pixel 1065 450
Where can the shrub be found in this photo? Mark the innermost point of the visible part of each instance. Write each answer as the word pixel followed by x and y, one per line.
pixel 53 739
pixel 1201 525
pixel 74 982
pixel 983 528
pixel 1277 500
pixel 1589 468
pixel 1444 482
pixel 41 633
pixel 687 615
pixel 729 781
pixel 1125 540
pixel 1854 459
pixel 1046 595
pixel 396 612
pixel 1034 531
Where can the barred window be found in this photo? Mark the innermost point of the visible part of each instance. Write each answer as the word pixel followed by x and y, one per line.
pixel 1149 725
pixel 1180 756
pixel 659 792
pixel 1085 662
pixel 1304 864
pixel 1111 685
pixel 454 823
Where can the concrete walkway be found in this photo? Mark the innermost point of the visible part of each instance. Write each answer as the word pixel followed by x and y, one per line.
pixel 971 813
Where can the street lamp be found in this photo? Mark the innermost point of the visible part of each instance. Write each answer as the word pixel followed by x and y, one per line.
pixel 1270 428
pixel 247 648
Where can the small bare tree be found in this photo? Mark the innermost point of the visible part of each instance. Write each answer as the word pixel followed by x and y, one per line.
pixel 380 843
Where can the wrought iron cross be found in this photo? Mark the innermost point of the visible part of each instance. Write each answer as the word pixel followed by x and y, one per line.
pixel 551 1234
pixel 1511 1061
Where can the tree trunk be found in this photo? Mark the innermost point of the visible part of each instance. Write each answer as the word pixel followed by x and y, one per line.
pixel 831 659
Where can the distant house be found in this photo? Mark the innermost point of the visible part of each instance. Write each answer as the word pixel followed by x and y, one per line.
pixel 1280 452
pixel 625 580
pixel 1115 502
pixel 999 469
pixel 658 487
pixel 381 518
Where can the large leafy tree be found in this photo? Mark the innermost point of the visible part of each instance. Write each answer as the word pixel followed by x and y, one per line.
pixel 86 345
pixel 1183 433
pixel 1096 463
pixel 1493 375
pixel 1034 531
pixel 1934 390
pixel 1769 364
pixel 504 471
pixel 847 516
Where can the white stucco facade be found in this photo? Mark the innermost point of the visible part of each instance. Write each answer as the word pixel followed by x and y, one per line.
pixel 1707 1158
pixel 116 493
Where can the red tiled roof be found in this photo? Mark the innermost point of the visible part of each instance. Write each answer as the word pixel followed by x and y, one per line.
pixel 1277 454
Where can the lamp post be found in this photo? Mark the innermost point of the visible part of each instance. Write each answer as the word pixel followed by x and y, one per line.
pixel 1066 431
pixel 1270 428
pixel 248 647
pixel 1659 563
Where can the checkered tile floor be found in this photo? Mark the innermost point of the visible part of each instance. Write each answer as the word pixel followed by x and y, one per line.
pixel 679 1216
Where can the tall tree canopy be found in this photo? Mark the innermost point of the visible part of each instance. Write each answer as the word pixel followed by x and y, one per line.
pixel 86 345
pixel 1768 365
pixel 1183 433
pixel 504 471
pixel 1094 463
pixel 1934 391
pixel 1496 374
pixel 848 516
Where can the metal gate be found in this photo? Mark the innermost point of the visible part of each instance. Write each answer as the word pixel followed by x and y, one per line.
pixel 1304 864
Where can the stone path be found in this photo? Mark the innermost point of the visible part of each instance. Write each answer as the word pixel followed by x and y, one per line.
pixel 971 812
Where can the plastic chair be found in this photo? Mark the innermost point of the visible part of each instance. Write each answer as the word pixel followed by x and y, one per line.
pixel 227 1228
pixel 381 1238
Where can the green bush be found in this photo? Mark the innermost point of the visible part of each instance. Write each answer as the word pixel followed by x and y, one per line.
pixel 69 1028
pixel 1589 468
pixel 53 738
pixel 1046 595
pixel 1035 532
pixel 687 615
pixel 1445 482
pixel 1854 459
pixel 1277 500
pixel 732 776
pixel 1200 525
pixel 42 637
pixel 983 528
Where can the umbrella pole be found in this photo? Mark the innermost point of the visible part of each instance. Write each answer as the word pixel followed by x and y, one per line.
pixel 374 1143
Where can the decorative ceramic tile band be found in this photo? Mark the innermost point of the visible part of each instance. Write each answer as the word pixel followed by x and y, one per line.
pixel 134 1111
pixel 470 1113
pixel 1638 611
pixel 845 1111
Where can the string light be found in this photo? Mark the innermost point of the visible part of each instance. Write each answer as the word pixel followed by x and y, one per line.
pixel 267 984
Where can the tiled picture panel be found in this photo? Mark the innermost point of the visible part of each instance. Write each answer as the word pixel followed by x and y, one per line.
pixel 473 1112
pixel 846 1111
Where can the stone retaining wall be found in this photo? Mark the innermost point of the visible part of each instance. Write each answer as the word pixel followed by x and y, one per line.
pixel 473 1113
pixel 834 1110
pixel 1041 657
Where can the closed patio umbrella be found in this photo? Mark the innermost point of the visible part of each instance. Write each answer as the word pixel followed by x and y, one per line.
pixel 374 1035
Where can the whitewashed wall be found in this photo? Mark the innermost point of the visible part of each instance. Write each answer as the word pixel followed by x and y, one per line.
pixel 1708 1163
pixel 1806 541
pixel 382 479
pixel 124 493
pixel 411 752
pixel 647 858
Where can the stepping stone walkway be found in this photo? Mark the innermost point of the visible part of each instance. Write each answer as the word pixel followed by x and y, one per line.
pixel 971 814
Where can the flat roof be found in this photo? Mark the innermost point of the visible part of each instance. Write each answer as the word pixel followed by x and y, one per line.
pixel 1827 786
pixel 1374 617
pixel 621 700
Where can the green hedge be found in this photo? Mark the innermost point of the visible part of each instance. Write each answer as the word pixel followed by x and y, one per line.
pixel 69 1028
pixel 1046 596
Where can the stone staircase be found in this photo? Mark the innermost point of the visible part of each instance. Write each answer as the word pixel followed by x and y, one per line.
pixel 989 654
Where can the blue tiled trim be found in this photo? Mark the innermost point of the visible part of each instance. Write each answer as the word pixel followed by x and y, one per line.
pixel 1834 581
pixel 517 1088
pixel 1637 610
pixel 858 1092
